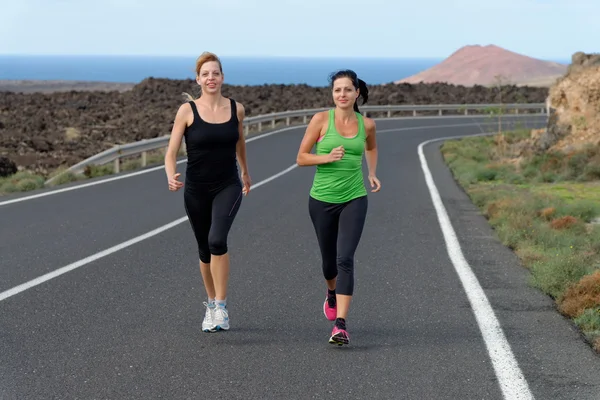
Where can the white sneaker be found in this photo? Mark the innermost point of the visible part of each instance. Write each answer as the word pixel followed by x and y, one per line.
pixel 221 319
pixel 209 316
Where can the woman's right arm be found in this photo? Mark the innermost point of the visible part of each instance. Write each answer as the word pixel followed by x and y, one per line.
pixel 174 145
pixel 311 135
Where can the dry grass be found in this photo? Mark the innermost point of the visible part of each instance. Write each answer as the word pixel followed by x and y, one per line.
pixel 581 296
pixel 543 207
pixel 547 213
pixel 565 222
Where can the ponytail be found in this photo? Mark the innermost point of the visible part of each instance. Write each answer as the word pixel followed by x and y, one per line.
pixel 359 84
pixel 363 92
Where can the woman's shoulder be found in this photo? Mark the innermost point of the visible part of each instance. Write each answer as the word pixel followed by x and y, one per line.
pixel 185 109
pixel 321 116
pixel 240 110
pixel 369 123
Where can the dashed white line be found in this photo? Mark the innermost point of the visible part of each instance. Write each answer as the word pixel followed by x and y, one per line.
pixel 249 140
pixel 50 275
pixel 36 281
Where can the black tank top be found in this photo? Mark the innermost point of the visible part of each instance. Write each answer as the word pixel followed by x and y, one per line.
pixel 211 149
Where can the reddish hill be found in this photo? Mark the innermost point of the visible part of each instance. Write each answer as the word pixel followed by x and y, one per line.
pixel 477 64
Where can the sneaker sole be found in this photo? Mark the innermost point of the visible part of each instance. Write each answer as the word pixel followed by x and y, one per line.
pixel 339 340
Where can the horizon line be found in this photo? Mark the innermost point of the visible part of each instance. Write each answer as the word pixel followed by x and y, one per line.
pixel 254 56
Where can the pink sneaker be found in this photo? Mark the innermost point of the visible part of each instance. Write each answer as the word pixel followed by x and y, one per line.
pixel 339 336
pixel 329 310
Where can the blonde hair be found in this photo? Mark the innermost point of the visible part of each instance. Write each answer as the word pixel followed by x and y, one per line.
pixel 205 57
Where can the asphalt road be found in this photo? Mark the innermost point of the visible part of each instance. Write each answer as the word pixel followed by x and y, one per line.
pixel 123 319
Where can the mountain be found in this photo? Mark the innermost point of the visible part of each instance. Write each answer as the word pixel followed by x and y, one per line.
pixel 485 65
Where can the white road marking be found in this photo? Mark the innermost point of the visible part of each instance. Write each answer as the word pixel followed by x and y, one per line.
pixel 50 275
pixel 83 185
pixel 116 178
pixel 249 140
pixel 511 379
pixel 34 282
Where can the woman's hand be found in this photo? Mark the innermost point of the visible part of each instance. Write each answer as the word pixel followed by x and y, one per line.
pixel 246 181
pixel 174 184
pixel 374 183
pixel 336 154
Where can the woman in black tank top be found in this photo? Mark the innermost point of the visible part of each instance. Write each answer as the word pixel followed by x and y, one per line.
pixel 213 189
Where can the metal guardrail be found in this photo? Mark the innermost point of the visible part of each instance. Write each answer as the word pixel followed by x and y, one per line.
pixel 287 115
pixel 143 146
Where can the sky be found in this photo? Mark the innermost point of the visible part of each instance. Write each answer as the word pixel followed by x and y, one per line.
pixel 546 29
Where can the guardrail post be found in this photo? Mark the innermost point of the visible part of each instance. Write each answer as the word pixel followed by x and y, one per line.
pixel 117 165
pixel 304 119
pixel 246 129
pixel 287 121
pixel 389 113
pixel 144 158
pixel 260 126
pixel 414 113
pixel 273 123
pixel 466 111
pixel 440 112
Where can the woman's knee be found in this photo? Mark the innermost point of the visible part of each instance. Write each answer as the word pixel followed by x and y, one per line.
pixel 345 264
pixel 217 244
pixel 329 270
pixel 204 256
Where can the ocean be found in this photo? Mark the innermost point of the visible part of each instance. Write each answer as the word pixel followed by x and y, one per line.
pixel 237 70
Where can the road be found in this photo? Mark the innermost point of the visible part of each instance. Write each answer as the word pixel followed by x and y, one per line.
pixel 101 298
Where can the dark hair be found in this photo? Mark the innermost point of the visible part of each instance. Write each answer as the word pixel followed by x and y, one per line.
pixel 358 83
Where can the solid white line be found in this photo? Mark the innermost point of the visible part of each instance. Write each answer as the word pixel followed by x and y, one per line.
pixel 251 139
pixel 511 379
pixel 41 279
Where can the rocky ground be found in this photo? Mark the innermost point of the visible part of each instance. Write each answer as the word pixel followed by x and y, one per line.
pixel 51 86
pixel 43 130
pixel 576 100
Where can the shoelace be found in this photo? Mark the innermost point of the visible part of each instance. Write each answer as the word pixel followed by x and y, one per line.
pixel 208 310
pixel 340 324
pixel 220 313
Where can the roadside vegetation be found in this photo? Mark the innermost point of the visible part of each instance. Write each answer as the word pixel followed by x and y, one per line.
pixel 546 208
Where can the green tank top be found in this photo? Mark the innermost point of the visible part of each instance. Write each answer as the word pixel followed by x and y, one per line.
pixel 342 180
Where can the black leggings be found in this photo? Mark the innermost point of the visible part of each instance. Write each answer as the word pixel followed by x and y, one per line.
pixel 211 211
pixel 339 228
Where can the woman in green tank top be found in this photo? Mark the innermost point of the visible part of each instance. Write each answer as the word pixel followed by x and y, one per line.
pixel 338 197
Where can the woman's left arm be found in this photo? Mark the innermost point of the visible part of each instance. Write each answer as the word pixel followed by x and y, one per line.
pixel 371 153
pixel 241 149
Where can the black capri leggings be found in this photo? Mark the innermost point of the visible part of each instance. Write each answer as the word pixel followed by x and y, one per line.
pixel 339 228
pixel 211 211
